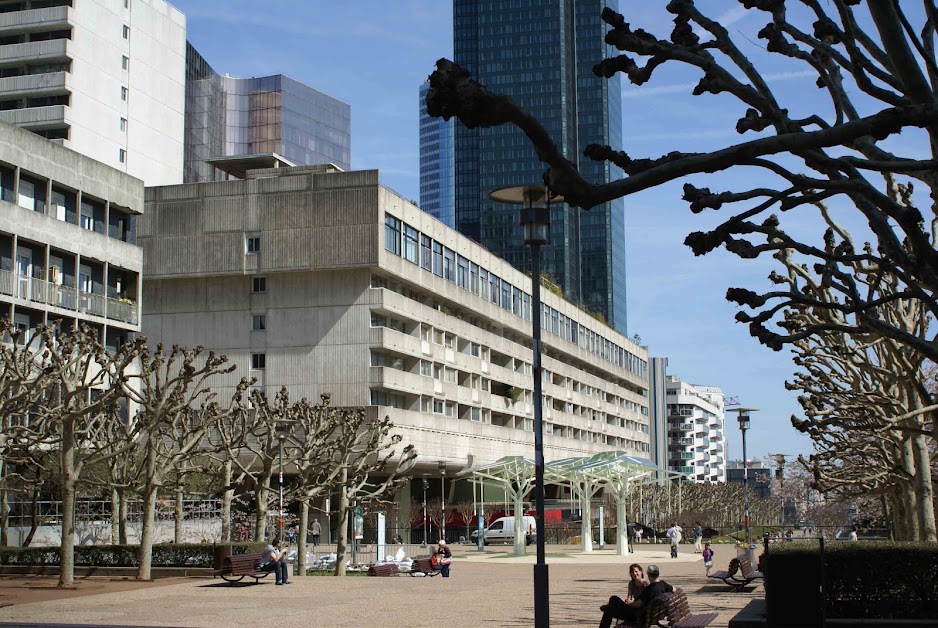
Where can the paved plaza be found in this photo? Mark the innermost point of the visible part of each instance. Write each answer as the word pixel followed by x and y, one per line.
pixel 488 589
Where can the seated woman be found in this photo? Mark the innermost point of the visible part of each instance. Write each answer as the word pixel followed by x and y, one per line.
pixel 617 608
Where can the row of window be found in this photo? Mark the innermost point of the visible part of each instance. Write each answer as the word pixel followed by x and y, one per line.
pixel 405 241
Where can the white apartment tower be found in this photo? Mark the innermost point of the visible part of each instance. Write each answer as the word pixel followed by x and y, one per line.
pixel 105 78
pixel 696 438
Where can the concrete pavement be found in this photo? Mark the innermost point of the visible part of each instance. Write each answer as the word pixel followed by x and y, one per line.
pixel 488 589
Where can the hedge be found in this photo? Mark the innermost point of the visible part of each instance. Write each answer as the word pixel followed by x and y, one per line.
pixel 870 579
pixel 164 555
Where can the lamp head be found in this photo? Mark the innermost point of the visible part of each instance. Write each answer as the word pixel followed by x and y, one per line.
pixel 442 466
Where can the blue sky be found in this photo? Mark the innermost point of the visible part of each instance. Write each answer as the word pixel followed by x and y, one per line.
pixel 373 54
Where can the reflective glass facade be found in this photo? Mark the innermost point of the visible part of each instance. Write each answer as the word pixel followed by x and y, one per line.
pixel 541 54
pixel 272 114
pixel 437 163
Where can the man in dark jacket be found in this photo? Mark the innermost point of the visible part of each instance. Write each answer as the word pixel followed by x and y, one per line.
pixel 634 612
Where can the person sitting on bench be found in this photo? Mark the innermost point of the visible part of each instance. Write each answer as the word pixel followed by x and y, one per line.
pixel 633 612
pixel 274 559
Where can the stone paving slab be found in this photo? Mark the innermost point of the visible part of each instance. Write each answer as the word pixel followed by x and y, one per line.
pixel 491 590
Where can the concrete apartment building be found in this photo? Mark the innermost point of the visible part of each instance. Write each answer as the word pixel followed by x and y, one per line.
pixel 696 437
pixel 326 281
pixel 103 77
pixel 68 252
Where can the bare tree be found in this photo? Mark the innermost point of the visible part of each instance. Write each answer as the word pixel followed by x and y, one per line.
pixel 176 410
pixel 878 82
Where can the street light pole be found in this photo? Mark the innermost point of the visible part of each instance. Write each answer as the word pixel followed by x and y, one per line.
pixel 535 223
pixel 281 436
pixel 425 483
pixel 743 417
pixel 442 467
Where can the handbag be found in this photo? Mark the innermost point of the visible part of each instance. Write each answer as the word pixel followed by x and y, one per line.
pixel 445 561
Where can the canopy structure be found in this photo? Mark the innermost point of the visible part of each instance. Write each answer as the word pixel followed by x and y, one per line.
pixel 616 471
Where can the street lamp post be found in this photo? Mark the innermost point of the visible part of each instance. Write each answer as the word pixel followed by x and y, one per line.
pixel 442 467
pixel 743 416
pixel 425 484
pixel 281 436
pixel 535 224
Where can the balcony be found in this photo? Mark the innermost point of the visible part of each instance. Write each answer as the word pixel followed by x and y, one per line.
pixel 51 18
pixel 36 117
pixel 47 293
pixel 681 441
pixel 34 52
pixel 50 84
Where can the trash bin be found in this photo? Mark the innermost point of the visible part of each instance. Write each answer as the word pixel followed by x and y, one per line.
pixel 219 554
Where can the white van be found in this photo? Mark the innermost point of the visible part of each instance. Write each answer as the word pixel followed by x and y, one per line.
pixel 502 530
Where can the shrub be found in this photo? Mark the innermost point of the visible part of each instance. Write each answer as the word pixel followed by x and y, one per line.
pixel 870 579
pixel 164 555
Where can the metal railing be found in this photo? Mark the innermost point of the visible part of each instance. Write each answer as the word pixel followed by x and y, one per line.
pixel 49 293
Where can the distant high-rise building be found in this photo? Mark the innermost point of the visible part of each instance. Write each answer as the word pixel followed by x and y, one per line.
pixel 102 77
pixel 541 55
pixel 233 125
pixel 437 165
pixel 696 440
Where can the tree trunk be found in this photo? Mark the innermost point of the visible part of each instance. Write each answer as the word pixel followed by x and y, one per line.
pixel 67 548
pixel 4 518
pixel 226 504
pixel 179 516
pixel 342 528
pixel 122 517
pixel 115 516
pixel 924 490
pixel 301 538
pixel 260 504
pixel 145 557
pixel 33 517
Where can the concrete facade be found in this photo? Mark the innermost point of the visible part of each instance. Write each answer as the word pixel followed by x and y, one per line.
pixel 68 252
pixel 103 77
pixel 696 436
pixel 326 281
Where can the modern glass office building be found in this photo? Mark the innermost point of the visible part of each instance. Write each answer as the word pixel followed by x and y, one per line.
pixel 541 55
pixel 272 116
pixel 437 163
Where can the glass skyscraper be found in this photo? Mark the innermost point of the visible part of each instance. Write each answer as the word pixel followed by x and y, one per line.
pixel 228 117
pixel 541 54
pixel 437 162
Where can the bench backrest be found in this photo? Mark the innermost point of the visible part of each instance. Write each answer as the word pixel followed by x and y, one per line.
pixel 657 611
pixel 745 567
pixel 242 561
pixel 677 607
pixel 422 564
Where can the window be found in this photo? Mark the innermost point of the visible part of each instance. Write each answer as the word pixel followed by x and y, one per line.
pixel 123 93
pixel 125 62
pixel 475 414
pixel 437 406
pixel 87 217
pixel 392 235
pixel 122 156
pixel 462 272
pixel 425 404
pixel 475 349
pixel 253 243
pixel 437 259
pixel 126 32
pixel 258 322
pixel 426 368
pixel 449 265
pixel 126 4
pixel 437 337
pixel 410 244
pixel 123 125
pixel 258 361
pixel 425 259
pixel 258 285
pixel 449 375
pixel 473 278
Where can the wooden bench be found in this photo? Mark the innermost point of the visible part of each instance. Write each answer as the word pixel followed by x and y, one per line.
pixel 656 613
pixel 383 569
pixel 235 568
pixel 738 574
pixel 677 611
pixel 424 566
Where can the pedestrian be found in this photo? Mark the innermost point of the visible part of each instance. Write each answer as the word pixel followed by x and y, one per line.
pixel 853 534
pixel 698 537
pixel 638 534
pixel 316 531
pixel 675 533
pixel 707 557
pixel 274 559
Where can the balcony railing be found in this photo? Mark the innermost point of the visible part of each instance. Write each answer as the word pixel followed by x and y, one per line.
pixel 65 297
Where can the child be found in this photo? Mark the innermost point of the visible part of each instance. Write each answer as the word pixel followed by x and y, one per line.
pixel 708 557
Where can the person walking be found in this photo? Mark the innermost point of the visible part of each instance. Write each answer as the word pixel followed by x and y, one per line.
pixel 316 531
pixel 675 533
pixel 707 557
pixel 698 538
